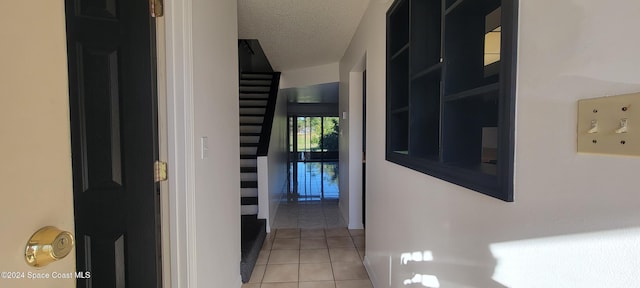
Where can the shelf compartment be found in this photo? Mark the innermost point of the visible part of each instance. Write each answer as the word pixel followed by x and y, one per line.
pixel 470 134
pixel 426 28
pixel 467 27
pixel 398 131
pixel 429 70
pixel 424 138
pixel 398 26
pixel 399 76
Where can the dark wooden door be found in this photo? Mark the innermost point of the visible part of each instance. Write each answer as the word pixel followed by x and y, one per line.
pixel 111 54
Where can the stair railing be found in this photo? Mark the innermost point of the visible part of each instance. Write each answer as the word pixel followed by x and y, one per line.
pixel 267 124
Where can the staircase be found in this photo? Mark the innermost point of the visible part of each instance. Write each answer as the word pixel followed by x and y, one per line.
pixel 258 93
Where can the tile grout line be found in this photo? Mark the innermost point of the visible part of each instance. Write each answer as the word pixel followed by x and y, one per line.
pixel 331 260
pixel 268 259
pixel 302 219
pixel 299 249
pixel 333 274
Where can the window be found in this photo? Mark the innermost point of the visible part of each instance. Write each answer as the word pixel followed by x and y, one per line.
pixel 313 158
pixel 451 91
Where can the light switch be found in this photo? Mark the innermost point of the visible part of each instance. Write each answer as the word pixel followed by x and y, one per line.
pixel 606 125
pixel 594 127
pixel 204 147
pixel 624 126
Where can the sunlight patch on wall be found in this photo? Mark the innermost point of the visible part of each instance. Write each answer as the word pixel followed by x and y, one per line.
pixel 424 279
pixel 601 259
pixel 416 257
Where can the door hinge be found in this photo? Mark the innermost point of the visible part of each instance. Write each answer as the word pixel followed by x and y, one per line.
pixel 156 7
pixel 160 171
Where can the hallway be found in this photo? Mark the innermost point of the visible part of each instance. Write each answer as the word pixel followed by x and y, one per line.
pixel 310 247
pixel 309 215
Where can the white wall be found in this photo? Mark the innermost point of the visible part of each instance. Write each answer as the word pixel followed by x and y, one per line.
pixel 202 76
pixel 278 159
pixel 575 217
pixel 303 77
pixel 350 163
pixel 35 149
pixel 343 148
pixel 215 75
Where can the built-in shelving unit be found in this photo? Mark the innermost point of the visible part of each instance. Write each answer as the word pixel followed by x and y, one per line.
pixel 450 90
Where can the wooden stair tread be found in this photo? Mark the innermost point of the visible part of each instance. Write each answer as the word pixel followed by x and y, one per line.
pixel 248 184
pixel 249 201
pixel 248 169
pixel 253 106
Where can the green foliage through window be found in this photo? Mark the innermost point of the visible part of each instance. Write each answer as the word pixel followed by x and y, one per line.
pixel 317 133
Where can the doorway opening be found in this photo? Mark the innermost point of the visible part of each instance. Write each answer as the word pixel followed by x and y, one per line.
pixel 313 158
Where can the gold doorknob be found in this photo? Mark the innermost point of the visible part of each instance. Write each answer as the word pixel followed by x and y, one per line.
pixel 47 245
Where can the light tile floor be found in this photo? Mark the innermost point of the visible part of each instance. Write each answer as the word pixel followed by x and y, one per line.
pixel 315 214
pixel 311 247
pixel 311 258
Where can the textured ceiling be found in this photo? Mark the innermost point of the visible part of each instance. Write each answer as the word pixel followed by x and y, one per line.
pixel 300 33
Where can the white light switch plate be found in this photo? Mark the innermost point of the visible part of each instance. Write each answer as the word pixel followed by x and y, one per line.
pixel 608 113
pixel 204 147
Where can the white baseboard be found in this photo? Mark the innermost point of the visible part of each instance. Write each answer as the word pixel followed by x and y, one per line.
pixel 356 226
pixel 372 275
pixel 268 226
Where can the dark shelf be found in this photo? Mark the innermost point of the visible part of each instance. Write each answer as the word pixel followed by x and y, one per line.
pixel 403 49
pixel 400 110
pixel 433 69
pixel 452 6
pixel 473 92
pixel 479 168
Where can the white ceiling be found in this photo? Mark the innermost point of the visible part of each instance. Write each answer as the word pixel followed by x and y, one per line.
pixel 300 33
